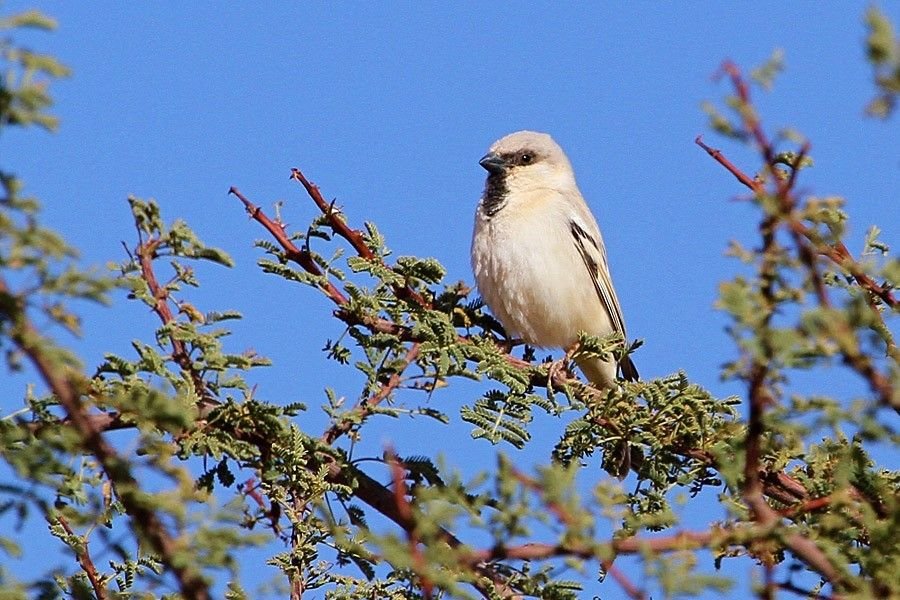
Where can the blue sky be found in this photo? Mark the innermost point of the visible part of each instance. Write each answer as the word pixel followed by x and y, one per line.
pixel 388 107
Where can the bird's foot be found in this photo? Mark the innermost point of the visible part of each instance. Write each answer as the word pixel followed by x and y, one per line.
pixel 561 366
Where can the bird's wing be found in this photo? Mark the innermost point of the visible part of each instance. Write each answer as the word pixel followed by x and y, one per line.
pixel 593 254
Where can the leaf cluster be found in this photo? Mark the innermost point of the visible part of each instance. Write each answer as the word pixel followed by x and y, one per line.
pixel 171 463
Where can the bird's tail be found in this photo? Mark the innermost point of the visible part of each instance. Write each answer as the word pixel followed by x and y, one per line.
pixel 628 370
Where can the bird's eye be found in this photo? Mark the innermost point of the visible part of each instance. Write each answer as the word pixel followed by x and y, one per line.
pixel 526 158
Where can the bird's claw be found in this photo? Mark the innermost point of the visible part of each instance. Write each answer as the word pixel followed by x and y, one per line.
pixel 560 366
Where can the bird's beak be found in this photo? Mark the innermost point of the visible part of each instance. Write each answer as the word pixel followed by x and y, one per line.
pixel 492 163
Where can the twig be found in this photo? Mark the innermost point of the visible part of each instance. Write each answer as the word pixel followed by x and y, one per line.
pixel 755 186
pixel 83 556
pixel 292 252
pixel 365 407
pixel 356 240
pixel 405 510
pixel 842 257
pixel 631 590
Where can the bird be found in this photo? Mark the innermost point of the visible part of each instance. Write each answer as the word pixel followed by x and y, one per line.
pixel 538 257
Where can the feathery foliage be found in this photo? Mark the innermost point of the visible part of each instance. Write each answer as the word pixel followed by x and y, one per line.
pixel 166 457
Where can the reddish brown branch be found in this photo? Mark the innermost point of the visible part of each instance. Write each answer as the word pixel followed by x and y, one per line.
pixel 364 408
pixel 842 257
pixel 404 509
pixel 292 252
pixel 83 556
pixel 339 225
pixel 838 253
pixel 748 114
pixel 809 506
pixel 102 422
pixel 631 590
pixel 68 387
pixel 758 374
pixel 755 186
pixel 371 322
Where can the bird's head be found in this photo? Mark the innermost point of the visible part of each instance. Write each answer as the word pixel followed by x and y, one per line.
pixel 528 160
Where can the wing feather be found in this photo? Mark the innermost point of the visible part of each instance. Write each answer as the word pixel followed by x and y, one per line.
pixel 593 254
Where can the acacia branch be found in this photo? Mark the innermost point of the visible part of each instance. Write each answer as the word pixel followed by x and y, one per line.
pixel 68 387
pixel 808 241
pixel 339 225
pixel 365 408
pixel 83 556
pixel 758 373
pixel 404 509
pixel 761 482
pixel 777 485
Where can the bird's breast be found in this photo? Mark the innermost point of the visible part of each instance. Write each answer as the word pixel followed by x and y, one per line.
pixel 532 277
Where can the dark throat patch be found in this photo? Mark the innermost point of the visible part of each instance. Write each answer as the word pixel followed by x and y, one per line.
pixel 495 191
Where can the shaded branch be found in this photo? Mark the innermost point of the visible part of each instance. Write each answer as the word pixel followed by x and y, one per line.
pixel 682 540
